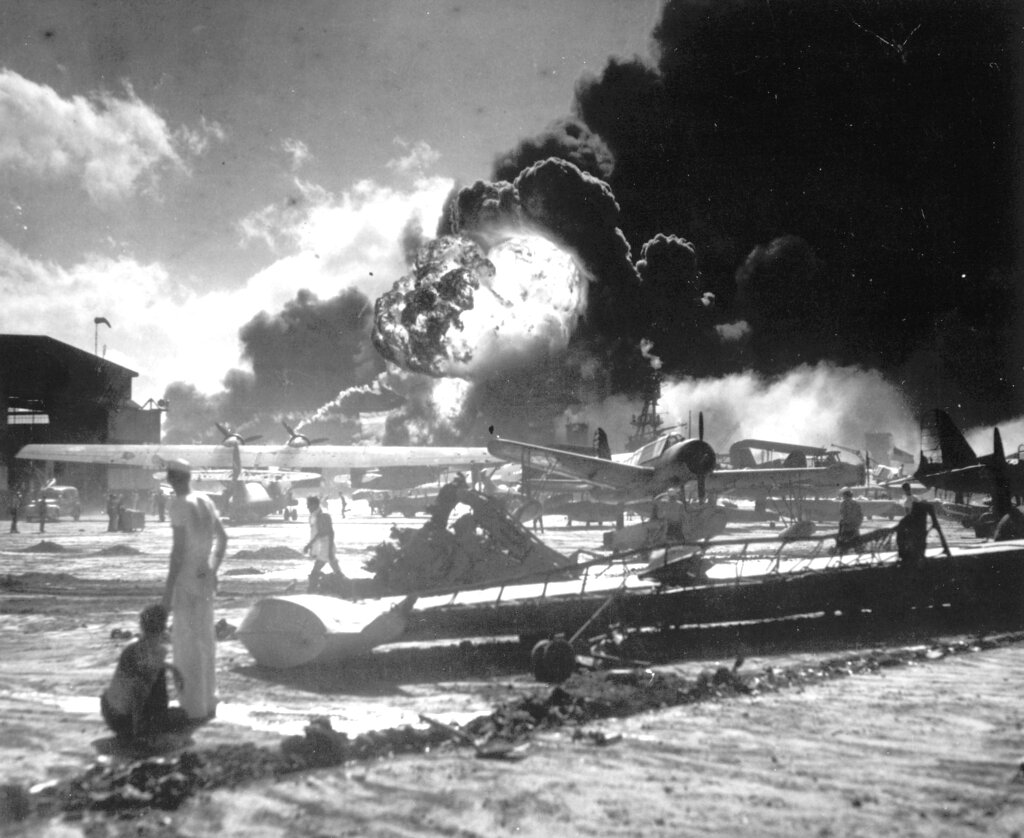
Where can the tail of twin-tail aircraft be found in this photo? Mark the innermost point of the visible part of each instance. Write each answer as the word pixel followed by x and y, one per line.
pixel 943 442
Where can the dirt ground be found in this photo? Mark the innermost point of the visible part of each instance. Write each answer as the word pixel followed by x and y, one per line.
pixel 910 730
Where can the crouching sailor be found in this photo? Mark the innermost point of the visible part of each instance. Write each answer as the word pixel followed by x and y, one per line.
pixel 134 706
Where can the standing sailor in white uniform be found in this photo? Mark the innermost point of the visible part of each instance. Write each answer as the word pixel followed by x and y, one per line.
pixel 189 592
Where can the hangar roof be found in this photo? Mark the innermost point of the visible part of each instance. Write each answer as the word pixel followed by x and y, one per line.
pixel 38 372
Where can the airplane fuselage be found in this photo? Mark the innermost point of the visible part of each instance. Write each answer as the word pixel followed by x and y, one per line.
pixel 245 501
pixel 971 480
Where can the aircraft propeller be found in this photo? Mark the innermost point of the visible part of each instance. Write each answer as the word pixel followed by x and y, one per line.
pixel 699 458
pixel 233 437
pixel 702 475
pixel 297 440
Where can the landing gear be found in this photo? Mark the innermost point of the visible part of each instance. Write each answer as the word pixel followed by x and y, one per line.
pixel 552 661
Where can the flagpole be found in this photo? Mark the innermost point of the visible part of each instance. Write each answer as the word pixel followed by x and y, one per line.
pixel 96 333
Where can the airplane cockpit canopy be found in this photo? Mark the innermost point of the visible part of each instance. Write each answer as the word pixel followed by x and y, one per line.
pixel 653 450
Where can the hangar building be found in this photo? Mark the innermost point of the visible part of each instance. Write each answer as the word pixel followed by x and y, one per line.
pixel 52 392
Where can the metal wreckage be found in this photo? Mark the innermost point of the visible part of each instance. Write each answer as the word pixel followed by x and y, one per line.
pixel 487 545
pixel 486 575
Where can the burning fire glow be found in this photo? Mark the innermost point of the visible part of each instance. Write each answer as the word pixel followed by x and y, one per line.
pixel 467 313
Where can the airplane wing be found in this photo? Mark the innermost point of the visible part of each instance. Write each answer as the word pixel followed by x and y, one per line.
pixel 262 456
pixel 223 475
pixel 595 470
pixel 147 456
pixel 768 479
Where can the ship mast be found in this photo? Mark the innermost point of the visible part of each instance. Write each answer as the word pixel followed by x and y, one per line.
pixel 647 425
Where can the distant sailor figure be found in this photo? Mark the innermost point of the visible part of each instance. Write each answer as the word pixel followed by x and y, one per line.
pixel 321 543
pixel 912 533
pixel 111 512
pixel 908 498
pixel 850 519
pixel 189 592
pixel 670 507
pixel 15 508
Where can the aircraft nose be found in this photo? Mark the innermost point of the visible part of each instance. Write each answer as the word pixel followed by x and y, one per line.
pixel 698 456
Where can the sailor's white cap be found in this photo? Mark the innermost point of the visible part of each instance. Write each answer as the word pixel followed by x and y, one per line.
pixel 180 466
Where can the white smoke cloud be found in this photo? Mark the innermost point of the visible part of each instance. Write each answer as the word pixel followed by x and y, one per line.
pixel 113 146
pixel 333 241
pixel 811 405
pixel 297 151
pixel 733 331
pixel 419 158
pixel 1011 432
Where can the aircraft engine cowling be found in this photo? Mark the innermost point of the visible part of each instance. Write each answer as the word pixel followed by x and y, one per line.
pixel 686 460
pixel 697 456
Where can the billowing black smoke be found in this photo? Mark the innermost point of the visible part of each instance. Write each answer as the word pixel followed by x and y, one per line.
pixel 567 139
pixel 785 186
pixel 846 173
pixel 300 356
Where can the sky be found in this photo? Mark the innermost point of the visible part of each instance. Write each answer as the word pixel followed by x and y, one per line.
pixel 176 168
pixel 808 210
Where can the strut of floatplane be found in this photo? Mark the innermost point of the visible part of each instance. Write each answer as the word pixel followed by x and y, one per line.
pixel 716 580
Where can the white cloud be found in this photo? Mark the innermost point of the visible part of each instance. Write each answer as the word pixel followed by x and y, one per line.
pixel 298 151
pixel 419 158
pixel 113 146
pixel 338 241
pixel 168 332
pixel 159 328
pixel 197 140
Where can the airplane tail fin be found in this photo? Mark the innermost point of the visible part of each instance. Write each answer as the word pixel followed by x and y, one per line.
pixel 795 459
pixel 741 457
pixel 604 450
pixel 940 434
pixel 1002 496
pixel 998 454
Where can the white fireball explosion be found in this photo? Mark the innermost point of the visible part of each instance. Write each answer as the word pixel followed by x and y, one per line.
pixel 467 313
pixel 464 314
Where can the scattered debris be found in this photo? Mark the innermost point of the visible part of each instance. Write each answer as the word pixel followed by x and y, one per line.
pixel 163 782
pixel 486 544
pixel 490 747
pixel 121 634
pixel 157 782
pixel 597 737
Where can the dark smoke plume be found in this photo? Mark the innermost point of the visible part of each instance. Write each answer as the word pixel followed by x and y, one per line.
pixel 880 135
pixel 308 350
pixel 566 139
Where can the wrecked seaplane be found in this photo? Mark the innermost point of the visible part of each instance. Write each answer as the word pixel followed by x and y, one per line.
pixel 485 546
pixel 488 576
